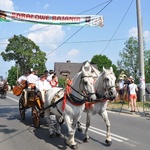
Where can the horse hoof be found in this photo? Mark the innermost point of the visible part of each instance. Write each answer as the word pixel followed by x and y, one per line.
pixel 109 143
pixel 66 142
pixel 85 140
pixel 58 134
pixel 52 135
pixel 71 146
pixel 79 130
pixel 74 147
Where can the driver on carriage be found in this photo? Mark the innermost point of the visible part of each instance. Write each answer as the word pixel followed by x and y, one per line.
pixel 20 80
pixel 23 77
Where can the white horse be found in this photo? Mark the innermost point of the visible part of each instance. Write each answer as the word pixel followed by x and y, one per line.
pixel 105 90
pixel 71 105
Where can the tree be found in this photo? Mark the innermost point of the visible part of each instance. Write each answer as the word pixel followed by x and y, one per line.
pixel 25 53
pixel 12 76
pixel 103 61
pixel 147 65
pixel 129 58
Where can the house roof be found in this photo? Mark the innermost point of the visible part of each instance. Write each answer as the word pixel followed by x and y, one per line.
pixel 70 69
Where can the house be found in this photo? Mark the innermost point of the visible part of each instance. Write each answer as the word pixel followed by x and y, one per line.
pixel 69 69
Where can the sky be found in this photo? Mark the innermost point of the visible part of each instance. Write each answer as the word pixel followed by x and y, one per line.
pixel 120 23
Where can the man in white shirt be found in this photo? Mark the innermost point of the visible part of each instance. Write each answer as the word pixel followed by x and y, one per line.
pixel 19 81
pixel 42 85
pixel 32 78
pixel 23 77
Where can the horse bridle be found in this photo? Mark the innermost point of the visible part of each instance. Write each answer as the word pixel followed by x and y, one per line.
pixel 107 88
pixel 84 92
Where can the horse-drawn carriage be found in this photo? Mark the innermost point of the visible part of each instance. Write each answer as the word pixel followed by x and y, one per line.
pixel 29 99
pixel 3 88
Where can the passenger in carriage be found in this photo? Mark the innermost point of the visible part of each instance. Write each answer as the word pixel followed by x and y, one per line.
pixel 51 73
pixel 23 77
pixel 54 81
pixel 19 81
pixel 46 74
pixel 42 85
pixel 32 79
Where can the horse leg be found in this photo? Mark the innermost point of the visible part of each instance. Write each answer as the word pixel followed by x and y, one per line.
pixel 108 134
pixel 48 118
pixel 79 126
pixel 58 128
pixel 88 118
pixel 71 132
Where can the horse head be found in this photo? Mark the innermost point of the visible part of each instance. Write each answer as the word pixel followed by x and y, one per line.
pixel 83 82
pixel 87 82
pixel 105 84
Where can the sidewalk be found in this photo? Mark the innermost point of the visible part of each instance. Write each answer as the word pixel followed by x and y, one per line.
pixel 125 108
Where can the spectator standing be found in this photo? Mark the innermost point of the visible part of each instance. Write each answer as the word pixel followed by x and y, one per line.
pixel 127 82
pixel 133 96
pixel 121 89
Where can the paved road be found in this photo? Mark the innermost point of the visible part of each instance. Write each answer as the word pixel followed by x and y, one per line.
pixel 128 132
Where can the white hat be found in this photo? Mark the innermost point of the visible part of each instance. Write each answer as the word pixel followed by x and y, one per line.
pixel 131 77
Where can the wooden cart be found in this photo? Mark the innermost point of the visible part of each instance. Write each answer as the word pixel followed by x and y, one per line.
pixel 3 89
pixel 33 102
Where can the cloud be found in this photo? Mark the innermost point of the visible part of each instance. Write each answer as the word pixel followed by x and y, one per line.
pixel 147 36
pixel 6 5
pixel 48 36
pixel 134 33
pixel 73 52
pixel 46 6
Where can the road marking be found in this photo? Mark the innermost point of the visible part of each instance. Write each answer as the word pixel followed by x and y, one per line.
pixel 103 133
pixel 12 99
pixel 98 131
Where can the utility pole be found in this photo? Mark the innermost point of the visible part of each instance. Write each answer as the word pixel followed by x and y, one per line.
pixel 141 51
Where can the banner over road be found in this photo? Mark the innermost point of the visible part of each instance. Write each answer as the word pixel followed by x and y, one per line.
pixel 52 19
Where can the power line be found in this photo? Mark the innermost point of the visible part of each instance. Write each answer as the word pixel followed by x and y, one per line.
pixel 48 25
pixel 75 32
pixel 78 42
pixel 118 26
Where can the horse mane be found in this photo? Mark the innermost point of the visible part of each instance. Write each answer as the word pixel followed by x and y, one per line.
pixel 76 80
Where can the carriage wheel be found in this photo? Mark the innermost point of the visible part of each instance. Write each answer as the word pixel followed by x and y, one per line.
pixel 35 117
pixel 21 108
pixel 5 93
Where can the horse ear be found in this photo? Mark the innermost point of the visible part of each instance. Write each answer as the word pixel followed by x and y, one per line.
pixel 111 69
pixel 86 69
pixel 104 68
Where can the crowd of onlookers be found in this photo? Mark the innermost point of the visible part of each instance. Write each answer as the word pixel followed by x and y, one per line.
pixel 127 90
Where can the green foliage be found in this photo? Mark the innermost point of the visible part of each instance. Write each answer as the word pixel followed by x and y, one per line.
pixel 147 65
pixel 61 82
pixel 25 53
pixel 103 61
pixel 12 76
pixel 129 58
pixel 130 61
